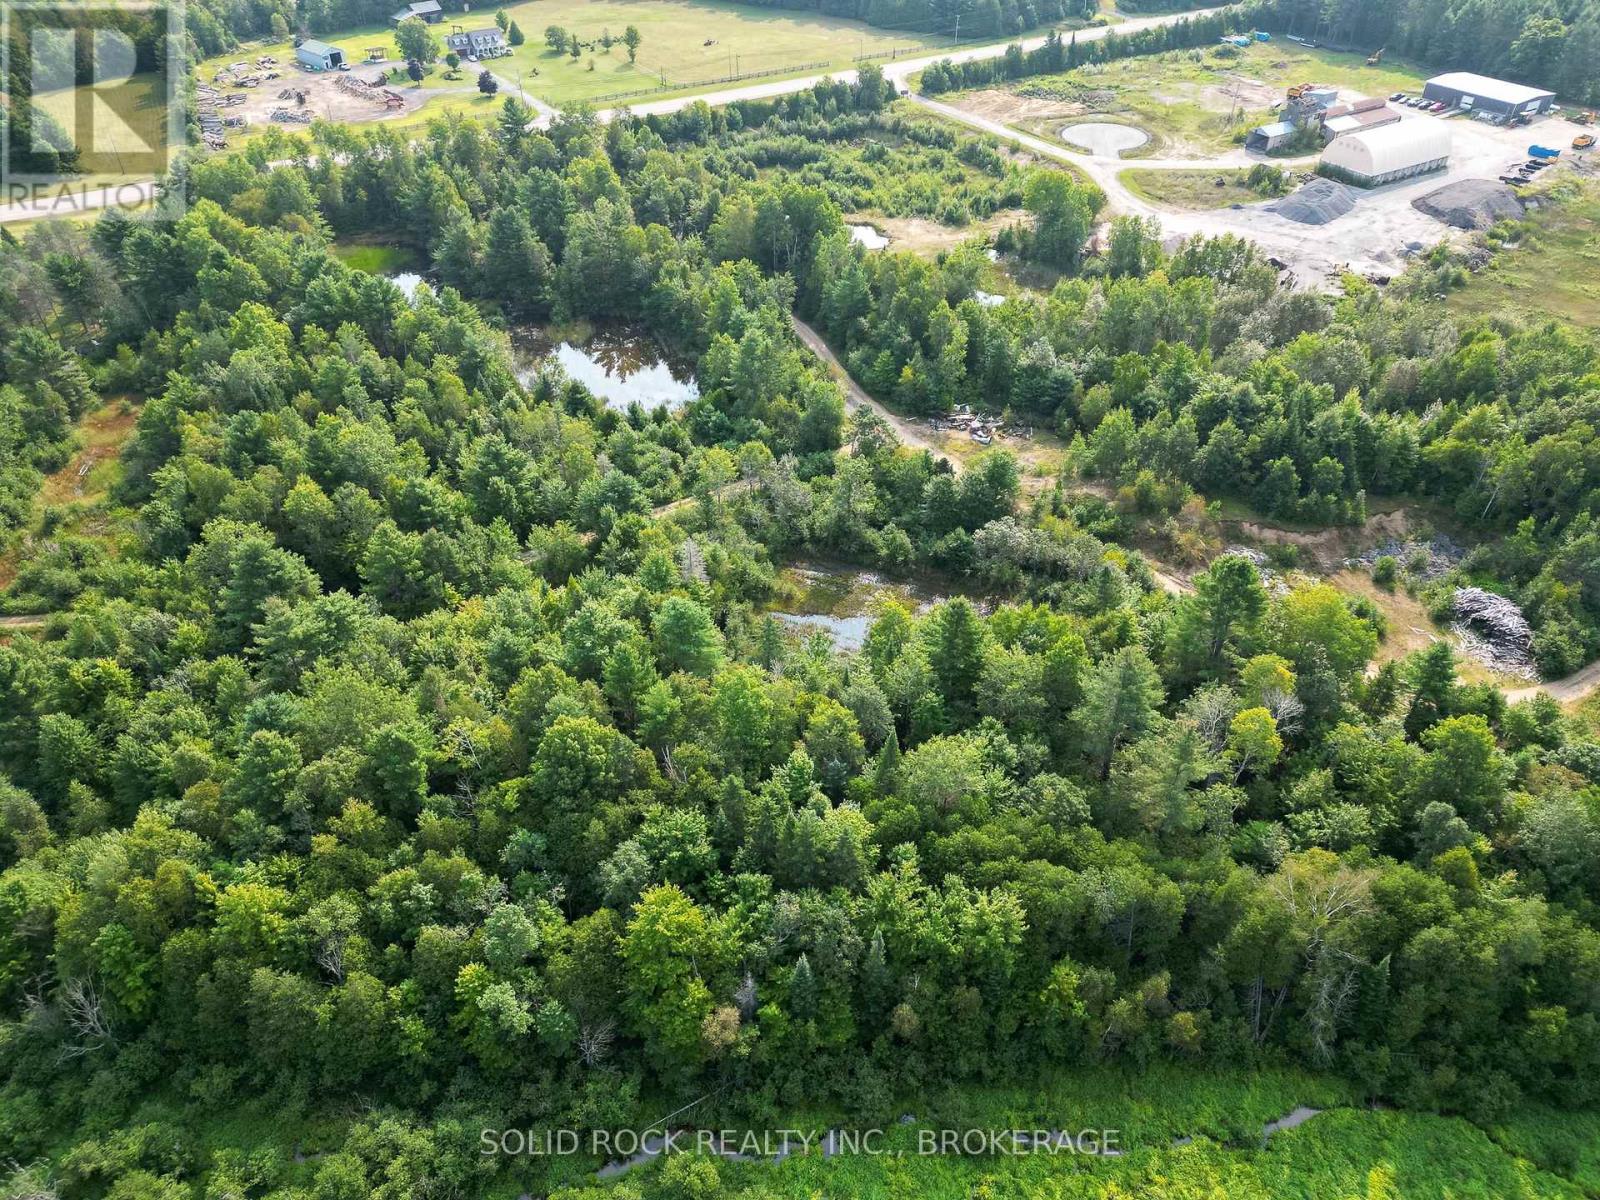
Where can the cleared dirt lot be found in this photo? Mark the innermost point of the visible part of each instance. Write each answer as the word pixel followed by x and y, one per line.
pixel 326 100
pixel 1375 238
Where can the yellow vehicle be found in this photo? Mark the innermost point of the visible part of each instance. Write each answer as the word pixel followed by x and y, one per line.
pixel 1584 141
pixel 1376 57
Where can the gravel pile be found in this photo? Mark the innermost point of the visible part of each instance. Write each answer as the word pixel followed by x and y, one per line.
pixel 1443 555
pixel 1317 203
pixel 1471 204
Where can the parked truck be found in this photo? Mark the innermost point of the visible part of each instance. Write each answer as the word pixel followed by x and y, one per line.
pixel 1584 141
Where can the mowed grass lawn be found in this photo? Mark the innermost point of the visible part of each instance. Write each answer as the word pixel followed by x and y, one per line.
pixel 128 117
pixel 1554 272
pixel 675 32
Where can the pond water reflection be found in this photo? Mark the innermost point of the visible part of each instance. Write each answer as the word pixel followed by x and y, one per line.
pixel 620 365
pixel 407 282
pixel 868 236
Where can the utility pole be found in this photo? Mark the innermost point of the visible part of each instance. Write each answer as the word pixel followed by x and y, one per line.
pixel 958 27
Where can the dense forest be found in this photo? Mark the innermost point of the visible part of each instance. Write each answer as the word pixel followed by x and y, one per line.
pixel 412 743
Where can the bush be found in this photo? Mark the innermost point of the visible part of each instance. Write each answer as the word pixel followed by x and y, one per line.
pixel 1385 571
pixel 1284 555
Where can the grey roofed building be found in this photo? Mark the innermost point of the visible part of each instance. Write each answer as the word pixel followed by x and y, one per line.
pixel 1480 93
pixel 483 43
pixel 1266 138
pixel 318 56
pixel 424 10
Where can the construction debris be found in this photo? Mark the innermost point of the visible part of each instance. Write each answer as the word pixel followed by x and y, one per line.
pixel 1471 204
pixel 1317 203
pixel 1493 629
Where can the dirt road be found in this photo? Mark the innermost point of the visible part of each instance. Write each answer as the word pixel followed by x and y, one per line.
pixel 1574 687
pixel 855 396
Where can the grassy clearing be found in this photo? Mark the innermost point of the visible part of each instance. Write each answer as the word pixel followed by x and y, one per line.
pixel 1567 1143
pixel 1347 1151
pixel 684 42
pixel 377 258
pixel 74 500
pixel 1193 103
pixel 1553 272
pixel 1192 190
pixel 676 33
pixel 88 477
pixel 125 118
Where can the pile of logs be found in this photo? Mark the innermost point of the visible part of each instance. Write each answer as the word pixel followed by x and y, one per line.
pixel 1496 622
pixel 207 101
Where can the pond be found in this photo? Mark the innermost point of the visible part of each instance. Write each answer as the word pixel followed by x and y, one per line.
pixel 868 237
pixel 841 600
pixel 407 282
pixel 622 365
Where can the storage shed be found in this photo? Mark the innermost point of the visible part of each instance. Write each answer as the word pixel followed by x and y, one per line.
pixel 1480 93
pixel 1377 156
pixel 427 11
pixel 1264 139
pixel 319 56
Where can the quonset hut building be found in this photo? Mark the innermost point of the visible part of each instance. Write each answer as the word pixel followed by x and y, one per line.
pixel 1479 93
pixel 1388 155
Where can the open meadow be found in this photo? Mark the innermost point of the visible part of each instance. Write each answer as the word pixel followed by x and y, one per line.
pixel 1191 103
pixel 1553 269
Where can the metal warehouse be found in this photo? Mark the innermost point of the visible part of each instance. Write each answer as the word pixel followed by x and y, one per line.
pixel 1395 152
pixel 1479 93
pixel 319 56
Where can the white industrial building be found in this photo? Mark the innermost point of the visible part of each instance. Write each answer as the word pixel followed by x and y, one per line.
pixel 1395 152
